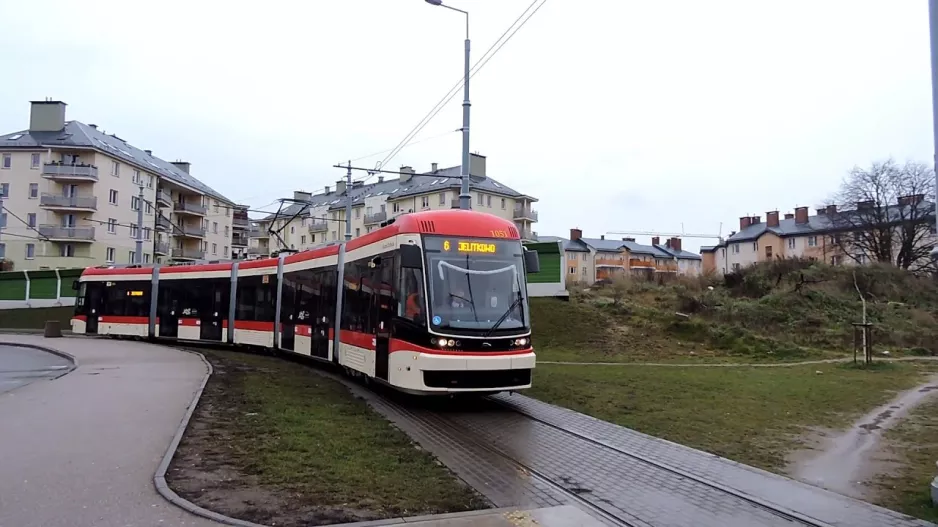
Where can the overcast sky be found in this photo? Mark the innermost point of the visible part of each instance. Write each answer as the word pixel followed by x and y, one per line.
pixel 615 114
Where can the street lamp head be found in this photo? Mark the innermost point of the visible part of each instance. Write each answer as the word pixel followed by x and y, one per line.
pixel 435 2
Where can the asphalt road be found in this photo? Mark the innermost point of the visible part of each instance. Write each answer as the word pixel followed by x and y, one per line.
pixel 21 366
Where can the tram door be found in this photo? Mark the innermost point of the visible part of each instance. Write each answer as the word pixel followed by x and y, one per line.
pixel 383 307
pixel 290 294
pixel 213 309
pixel 95 301
pixel 168 306
pixel 322 309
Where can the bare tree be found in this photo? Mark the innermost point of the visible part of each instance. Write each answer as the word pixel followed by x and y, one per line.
pixel 890 214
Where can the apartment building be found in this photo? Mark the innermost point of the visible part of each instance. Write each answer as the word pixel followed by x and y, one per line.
pixel 71 193
pixel 591 259
pixel 315 219
pixel 800 235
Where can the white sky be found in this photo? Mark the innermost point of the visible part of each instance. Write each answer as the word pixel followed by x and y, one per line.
pixel 658 114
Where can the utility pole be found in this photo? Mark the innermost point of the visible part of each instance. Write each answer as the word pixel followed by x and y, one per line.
pixel 933 33
pixel 138 257
pixel 348 202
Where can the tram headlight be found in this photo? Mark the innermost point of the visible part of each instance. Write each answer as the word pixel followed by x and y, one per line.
pixel 451 343
pixel 520 342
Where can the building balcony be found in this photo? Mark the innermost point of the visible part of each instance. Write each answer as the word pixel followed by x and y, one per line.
pixel 636 262
pixel 163 198
pixel 63 172
pixel 318 226
pixel 239 240
pixel 527 235
pixel 377 217
pixel 57 233
pixel 188 254
pixel 163 224
pixel 191 232
pixel 525 213
pixel 258 250
pixel 257 233
pixel 56 202
pixel 182 207
pixel 161 248
pixel 612 262
pixel 240 223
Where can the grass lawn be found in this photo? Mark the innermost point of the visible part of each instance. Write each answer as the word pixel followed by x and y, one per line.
pixel 751 415
pixel 915 442
pixel 35 318
pixel 274 442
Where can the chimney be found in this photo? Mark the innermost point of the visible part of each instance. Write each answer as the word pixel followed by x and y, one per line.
pixel 575 234
pixel 149 152
pixel 789 216
pixel 771 218
pixel 602 236
pixel 299 195
pixel 433 167
pixel 655 240
pixel 863 205
pixel 628 239
pixel 380 179
pixel 744 222
pixel 831 210
pixel 407 172
pixel 801 215
pixel 327 189
pixel 340 186
pixel 822 211
pixel 476 165
pixel 182 165
pixel 674 244
pixel 756 220
pixel 46 116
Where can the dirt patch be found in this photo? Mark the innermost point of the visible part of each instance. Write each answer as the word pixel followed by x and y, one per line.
pixel 275 443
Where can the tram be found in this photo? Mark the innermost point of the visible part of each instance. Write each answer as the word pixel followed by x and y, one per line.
pixel 433 302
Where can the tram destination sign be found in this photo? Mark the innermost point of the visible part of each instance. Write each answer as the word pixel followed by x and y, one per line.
pixel 464 246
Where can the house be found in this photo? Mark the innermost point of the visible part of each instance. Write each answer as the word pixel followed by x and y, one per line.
pixel 71 193
pixel 592 259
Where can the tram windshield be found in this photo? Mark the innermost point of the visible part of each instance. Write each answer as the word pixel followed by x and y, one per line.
pixel 476 284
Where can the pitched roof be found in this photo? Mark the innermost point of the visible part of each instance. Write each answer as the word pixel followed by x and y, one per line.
pixel 77 134
pixel 820 223
pixel 603 245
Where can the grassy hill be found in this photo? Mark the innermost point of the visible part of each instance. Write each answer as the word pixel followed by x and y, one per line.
pixel 782 310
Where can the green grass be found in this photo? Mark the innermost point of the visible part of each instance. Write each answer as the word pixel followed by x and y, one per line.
pixel 35 318
pixel 915 442
pixel 307 439
pixel 751 415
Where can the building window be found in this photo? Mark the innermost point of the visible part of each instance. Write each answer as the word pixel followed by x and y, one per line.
pixel 481 198
pixel 111 226
pixel 358 232
pixel 132 257
pixel 112 197
pixel 768 252
pixel 226 230
pixel 395 207
pixel 133 230
pixel 425 201
pixel 146 257
pixel 812 241
pixel 136 177
pixel 115 169
pixel 573 270
pixel 736 267
pixel 835 260
pixel 4 190
pixel 488 201
pixel 214 248
pixel 791 243
pixel 224 251
pixel 7 161
pixel 358 213
pixel 442 198
pixel 3 250
pixel 215 227
pixel 3 220
pixel 149 184
pixel 149 209
pixel 33 190
pixel 34 161
pixel 735 248
pixel 303 240
pixel 67 250
pixel 503 203
pixel 755 246
pixel 134 203
pixel 292 229
pixel 31 219
pixel 30 251
pixel 584 255
pixel 147 232
pixel 216 206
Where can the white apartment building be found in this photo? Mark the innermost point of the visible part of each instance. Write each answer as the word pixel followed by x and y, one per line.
pixel 320 218
pixel 71 194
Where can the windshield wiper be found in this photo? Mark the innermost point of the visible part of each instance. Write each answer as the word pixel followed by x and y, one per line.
pixel 504 316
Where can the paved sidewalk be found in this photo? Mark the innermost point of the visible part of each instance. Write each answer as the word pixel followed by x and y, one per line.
pixel 82 450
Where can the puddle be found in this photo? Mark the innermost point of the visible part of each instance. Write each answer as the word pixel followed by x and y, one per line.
pixel 847 459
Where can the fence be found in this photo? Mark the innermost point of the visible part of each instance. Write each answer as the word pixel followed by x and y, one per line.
pixel 47 288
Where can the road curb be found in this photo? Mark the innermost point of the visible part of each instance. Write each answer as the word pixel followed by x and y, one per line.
pixel 67 356
pixel 159 479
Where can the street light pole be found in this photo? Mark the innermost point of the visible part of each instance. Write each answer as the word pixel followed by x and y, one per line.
pixel 933 32
pixel 465 199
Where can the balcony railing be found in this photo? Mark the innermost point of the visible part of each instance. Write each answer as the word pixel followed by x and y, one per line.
pixel 257 233
pixel 318 226
pixel 190 208
pixel 164 198
pixel 637 262
pixel 240 223
pixel 238 240
pixel 197 232
pixel 68 202
pixel 161 248
pixel 258 250
pixel 377 217
pixel 57 232
pixel 525 213
pixel 611 261
pixel 527 234
pixel 163 224
pixel 188 254
pixel 77 172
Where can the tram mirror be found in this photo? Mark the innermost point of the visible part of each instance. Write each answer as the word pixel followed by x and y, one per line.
pixel 375 262
pixel 411 257
pixel 532 263
pixel 75 285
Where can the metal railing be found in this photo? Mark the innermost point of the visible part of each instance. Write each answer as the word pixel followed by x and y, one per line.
pixel 240 223
pixel 193 254
pixel 318 226
pixel 258 250
pixel 198 232
pixel 525 213
pixel 71 202
pixel 58 232
pixel 161 248
pixel 377 217
pixel 164 224
pixel 192 208
pixel 63 171
pixel 164 197
pixel 527 235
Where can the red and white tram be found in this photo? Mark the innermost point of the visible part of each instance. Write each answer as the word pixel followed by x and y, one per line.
pixel 432 302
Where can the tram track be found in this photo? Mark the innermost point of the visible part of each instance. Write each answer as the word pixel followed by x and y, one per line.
pixel 475 427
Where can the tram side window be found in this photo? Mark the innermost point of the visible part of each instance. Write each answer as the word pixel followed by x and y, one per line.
pixel 326 307
pixel 354 310
pixel 411 300
pixel 257 300
pixel 127 299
